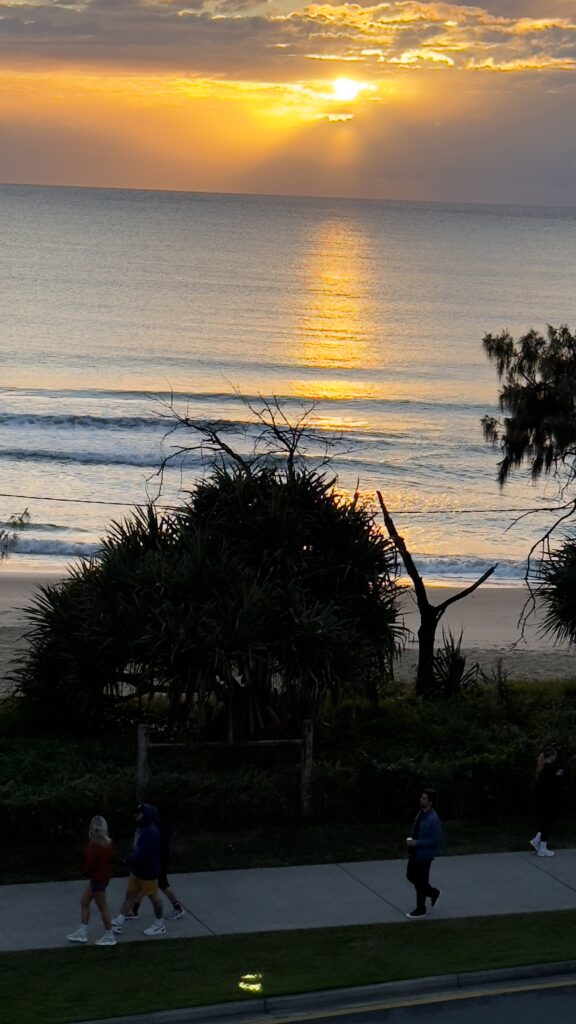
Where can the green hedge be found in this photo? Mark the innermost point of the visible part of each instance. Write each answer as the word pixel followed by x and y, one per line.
pixel 479 751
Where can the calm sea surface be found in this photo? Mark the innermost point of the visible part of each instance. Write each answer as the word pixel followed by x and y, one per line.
pixel 113 300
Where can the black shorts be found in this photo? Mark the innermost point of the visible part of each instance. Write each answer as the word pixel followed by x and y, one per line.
pixel 163 882
pixel 98 886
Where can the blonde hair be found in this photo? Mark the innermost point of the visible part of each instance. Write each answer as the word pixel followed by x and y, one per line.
pixel 98 831
pixel 543 758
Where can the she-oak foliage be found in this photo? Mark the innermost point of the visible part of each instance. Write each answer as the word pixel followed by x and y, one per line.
pixel 9 532
pixel 249 606
pixel 538 397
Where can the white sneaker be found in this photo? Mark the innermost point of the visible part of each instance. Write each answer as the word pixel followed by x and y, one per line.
pixel 117 926
pixel 175 915
pixel 545 852
pixel 78 936
pixel 158 928
pixel 106 940
pixel 535 843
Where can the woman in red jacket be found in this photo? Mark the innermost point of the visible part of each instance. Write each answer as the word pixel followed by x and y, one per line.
pixel 97 867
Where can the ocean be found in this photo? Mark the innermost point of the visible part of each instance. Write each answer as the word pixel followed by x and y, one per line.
pixel 116 305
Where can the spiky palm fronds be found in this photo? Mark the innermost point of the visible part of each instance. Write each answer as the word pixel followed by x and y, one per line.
pixel 451 676
pixel 266 592
pixel 556 586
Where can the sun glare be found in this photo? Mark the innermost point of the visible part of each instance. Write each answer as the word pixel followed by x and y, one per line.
pixel 345 89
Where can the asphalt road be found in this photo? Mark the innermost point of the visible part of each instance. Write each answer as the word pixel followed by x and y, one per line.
pixel 542 1006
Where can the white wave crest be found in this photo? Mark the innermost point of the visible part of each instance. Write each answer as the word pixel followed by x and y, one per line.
pixel 469 567
pixel 61 548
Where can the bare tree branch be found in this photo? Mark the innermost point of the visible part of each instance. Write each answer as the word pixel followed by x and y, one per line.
pixel 280 436
pixel 430 614
pixel 469 590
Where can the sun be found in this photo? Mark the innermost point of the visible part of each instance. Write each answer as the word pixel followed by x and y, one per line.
pixel 345 89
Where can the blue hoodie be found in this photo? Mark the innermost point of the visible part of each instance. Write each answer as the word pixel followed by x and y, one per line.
pixel 144 858
pixel 429 835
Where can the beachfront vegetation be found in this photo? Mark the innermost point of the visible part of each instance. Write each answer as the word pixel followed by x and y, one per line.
pixel 538 397
pixel 557 588
pixel 538 400
pixel 240 613
pixel 9 532
pixel 442 673
pixel 262 598
pixel 369 765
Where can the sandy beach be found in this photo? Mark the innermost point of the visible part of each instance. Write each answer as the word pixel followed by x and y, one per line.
pixel 489 621
pixel 488 617
pixel 16 591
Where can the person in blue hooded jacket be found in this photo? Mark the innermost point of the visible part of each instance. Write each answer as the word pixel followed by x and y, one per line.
pixel 165 832
pixel 144 862
pixel 423 845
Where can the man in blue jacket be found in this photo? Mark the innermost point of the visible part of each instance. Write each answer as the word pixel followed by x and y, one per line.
pixel 423 845
pixel 144 861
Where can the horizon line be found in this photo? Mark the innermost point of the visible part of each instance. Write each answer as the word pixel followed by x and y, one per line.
pixel 289 195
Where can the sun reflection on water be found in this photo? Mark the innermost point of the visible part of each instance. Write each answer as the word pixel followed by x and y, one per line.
pixel 338 423
pixel 334 328
pixel 333 389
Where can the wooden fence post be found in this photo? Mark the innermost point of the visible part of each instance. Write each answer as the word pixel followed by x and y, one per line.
pixel 306 780
pixel 142 762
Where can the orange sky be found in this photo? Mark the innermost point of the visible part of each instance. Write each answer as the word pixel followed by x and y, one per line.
pixel 454 101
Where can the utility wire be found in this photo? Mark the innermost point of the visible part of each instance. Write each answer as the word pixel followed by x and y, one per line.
pixel 77 501
pixel 397 512
pixel 466 511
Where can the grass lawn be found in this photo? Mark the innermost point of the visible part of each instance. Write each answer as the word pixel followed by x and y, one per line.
pixel 83 983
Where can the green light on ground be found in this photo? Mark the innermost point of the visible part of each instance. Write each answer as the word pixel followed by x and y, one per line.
pixel 251 983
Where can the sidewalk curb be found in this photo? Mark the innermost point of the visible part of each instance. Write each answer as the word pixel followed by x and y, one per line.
pixel 345 998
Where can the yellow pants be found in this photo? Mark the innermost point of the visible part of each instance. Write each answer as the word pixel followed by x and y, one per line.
pixel 140 887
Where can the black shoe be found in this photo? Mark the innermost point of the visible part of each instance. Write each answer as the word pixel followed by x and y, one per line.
pixel 434 899
pixel 414 914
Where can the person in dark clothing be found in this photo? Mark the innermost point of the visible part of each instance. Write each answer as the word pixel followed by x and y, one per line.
pixel 165 833
pixel 144 861
pixel 547 791
pixel 423 845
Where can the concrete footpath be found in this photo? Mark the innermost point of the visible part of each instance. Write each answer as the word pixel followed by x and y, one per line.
pixel 38 916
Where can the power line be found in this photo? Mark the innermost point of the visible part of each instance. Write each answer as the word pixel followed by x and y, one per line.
pixel 396 512
pixel 76 501
pixel 467 511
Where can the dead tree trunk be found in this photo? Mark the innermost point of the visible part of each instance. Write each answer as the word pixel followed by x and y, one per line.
pixel 430 614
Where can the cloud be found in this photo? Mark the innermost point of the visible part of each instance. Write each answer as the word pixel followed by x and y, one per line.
pixel 237 39
pixel 461 101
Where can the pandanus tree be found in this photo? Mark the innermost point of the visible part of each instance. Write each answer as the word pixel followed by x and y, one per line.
pixel 330 569
pixel 557 588
pixel 86 633
pixel 265 595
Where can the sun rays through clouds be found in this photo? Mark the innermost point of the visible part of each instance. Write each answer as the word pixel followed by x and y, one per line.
pixel 197 87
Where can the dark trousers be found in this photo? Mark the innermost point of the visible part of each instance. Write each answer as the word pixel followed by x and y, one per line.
pixel 418 873
pixel 546 820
